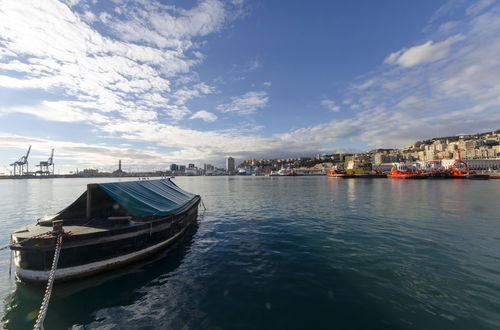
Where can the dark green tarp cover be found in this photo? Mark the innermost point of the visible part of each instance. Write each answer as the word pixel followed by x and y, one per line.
pixel 148 197
pixel 138 198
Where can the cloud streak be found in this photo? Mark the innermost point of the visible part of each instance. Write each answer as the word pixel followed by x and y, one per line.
pixel 246 104
pixel 427 52
pixel 205 116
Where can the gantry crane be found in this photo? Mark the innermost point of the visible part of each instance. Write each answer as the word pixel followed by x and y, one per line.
pixel 47 168
pixel 21 163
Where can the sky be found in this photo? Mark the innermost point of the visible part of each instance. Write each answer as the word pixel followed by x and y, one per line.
pixel 160 82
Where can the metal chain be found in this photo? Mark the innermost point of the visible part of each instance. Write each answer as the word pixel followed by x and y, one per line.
pixel 48 233
pixel 50 282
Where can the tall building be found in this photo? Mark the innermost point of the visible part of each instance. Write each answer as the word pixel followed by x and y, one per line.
pixel 174 167
pixel 230 164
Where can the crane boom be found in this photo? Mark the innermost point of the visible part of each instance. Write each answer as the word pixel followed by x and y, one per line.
pixel 27 154
pixel 51 159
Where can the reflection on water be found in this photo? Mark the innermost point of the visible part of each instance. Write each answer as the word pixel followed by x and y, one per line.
pixel 289 253
pixel 76 302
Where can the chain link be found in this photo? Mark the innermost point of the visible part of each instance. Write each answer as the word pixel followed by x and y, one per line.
pixel 48 291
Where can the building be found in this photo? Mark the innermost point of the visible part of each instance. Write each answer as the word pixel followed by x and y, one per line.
pixel 230 165
pixel 90 171
pixel 174 167
pixel 381 158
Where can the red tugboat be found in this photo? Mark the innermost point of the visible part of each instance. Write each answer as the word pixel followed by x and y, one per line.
pixel 460 170
pixel 339 172
pixel 434 170
pixel 401 171
pixel 293 173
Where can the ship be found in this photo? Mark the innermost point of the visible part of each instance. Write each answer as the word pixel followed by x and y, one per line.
pixel 460 170
pixel 108 226
pixel 402 171
pixel 338 171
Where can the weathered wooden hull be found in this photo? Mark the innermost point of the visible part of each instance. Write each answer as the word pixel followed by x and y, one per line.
pixel 84 255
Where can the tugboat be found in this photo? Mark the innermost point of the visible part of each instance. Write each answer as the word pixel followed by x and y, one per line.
pixel 288 172
pixel 460 170
pixel 434 170
pixel 339 172
pixel 109 225
pixel 402 171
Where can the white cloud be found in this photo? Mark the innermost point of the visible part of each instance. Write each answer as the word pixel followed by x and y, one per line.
pixel 69 155
pixel 249 66
pixel 204 115
pixel 427 52
pixel 267 84
pixel 245 104
pixel 62 111
pixel 479 6
pixel 185 94
pixel 56 48
pixel 365 85
pixel 167 26
pixel 330 105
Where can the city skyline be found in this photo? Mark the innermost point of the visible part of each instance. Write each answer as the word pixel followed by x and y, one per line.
pixel 154 83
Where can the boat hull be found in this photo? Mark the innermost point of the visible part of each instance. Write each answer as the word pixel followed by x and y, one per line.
pixel 91 254
pixel 342 176
pixel 407 177
pixel 472 177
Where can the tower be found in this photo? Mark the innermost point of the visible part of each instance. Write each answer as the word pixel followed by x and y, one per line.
pixel 230 164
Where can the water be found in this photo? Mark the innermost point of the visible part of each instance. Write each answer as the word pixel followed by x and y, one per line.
pixel 286 253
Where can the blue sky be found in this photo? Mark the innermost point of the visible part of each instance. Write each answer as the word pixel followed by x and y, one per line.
pixel 156 82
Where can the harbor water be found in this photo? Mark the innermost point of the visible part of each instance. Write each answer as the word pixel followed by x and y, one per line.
pixel 285 253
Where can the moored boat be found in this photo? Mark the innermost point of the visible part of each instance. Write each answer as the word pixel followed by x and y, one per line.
pixel 402 171
pixel 339 174
pixel 338 171
pixel 109 225
pixel 461 170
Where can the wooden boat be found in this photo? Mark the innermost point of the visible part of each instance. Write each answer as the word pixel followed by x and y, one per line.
pixel 109 225
pixel 401 171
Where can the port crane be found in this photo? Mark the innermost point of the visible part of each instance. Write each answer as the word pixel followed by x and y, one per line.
pixel 460 167
pixel 21 163
pixel 47 167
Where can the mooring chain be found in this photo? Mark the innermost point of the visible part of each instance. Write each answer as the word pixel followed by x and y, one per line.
pixel 48 233
pixel 48 291
pixel 24 241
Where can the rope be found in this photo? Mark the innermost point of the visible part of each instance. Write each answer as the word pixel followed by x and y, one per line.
pixel 203 204
pixel 48 290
